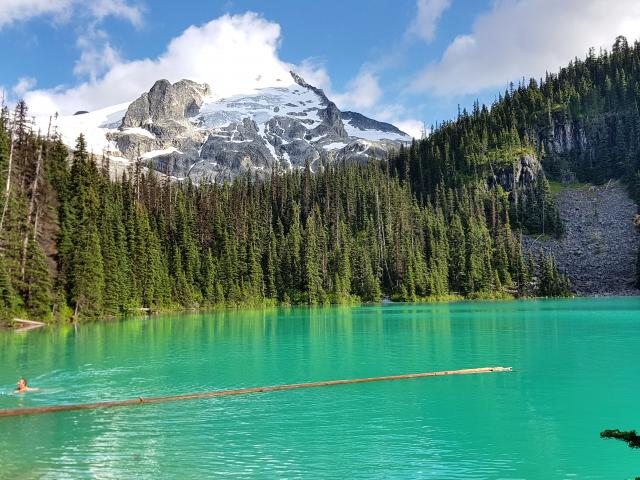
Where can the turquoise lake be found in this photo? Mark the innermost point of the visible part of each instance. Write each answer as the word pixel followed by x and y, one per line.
pixel 576 372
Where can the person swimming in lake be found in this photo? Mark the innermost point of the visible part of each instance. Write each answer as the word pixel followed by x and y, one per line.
pixel 22 386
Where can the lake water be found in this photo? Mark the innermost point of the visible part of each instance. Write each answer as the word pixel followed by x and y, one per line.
pixel 576 372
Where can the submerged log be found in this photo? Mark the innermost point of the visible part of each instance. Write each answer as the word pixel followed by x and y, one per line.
pixel 223 393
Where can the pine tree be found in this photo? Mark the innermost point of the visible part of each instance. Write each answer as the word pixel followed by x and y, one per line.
pixel 210 281
pixel 364 282
pixel 457 256
pixel 87 274
pixel 270 263
pixel 9 300
pixel 312 274
pixel 255 274
pixel 39 296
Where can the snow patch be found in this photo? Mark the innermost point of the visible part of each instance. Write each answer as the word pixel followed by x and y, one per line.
pixel 157 153
pixel 93 125
pixel 139 131
pixel 374 135
pixel 261 106
pixel 334 146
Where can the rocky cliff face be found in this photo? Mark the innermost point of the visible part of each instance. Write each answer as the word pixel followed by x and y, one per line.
pixel 565 138
pixel 563 142
pixel 182 130
pixel 519 178
pixel 166 103
pixel 159 120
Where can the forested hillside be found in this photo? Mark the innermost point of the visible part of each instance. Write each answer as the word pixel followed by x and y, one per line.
pixel 75 243
pixel 582 123
pixel 433 221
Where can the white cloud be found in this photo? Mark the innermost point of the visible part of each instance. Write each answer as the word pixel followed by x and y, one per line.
pixel 397 115
pixel 362 92
pixel 228 53
pixel 415 128
pixel 97 55
pixel 22 10
pixel 428 15
pixel 519 38
pixel 23 86
pixel 115 8
pixel 315 73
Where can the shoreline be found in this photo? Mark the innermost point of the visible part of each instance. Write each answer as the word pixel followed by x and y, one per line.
pixel 149 312
pixel 34 325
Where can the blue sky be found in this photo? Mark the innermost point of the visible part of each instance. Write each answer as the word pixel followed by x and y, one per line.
pixel 404 61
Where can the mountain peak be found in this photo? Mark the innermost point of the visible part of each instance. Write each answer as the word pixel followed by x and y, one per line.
pixel 166 102
pixel 299 80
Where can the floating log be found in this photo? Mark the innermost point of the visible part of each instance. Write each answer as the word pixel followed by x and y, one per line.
pixel 242 391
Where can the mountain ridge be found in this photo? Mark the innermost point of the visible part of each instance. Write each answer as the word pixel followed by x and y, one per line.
pixel 184 131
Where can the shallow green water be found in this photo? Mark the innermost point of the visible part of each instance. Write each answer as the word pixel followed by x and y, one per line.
pixel 577 371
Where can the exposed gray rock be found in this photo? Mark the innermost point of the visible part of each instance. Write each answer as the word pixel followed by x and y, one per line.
pixel 564 138
pixel 518 178
pixel 138 113
pixel 362 151
pixel 599 249
pixel 134 145
pixel 159 120
pixel 166 104
pixel 361 122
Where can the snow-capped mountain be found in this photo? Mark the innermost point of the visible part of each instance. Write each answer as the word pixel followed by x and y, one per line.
pixel 183 130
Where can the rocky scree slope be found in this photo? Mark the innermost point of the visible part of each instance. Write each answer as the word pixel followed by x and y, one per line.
pixel 183 130
pixel 599 250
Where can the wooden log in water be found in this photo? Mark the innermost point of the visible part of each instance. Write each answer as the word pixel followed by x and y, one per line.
pixel 27 325
pixel 242 391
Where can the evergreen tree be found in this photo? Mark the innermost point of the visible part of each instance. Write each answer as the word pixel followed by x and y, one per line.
pixel 87 274
pixel 312 274
pixel 9 301
pixel 39 295
pixel 458 256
